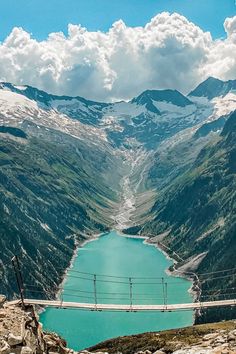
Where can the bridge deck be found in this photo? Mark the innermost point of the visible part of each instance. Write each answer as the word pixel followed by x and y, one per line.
pixel 119 307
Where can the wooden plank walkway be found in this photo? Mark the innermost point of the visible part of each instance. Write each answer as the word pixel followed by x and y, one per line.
pixel 127 308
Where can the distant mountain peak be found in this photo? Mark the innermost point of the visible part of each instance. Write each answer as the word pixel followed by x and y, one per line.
pixel 27 91
pixel 213 87
pixel 212 79
pixel 43 97
pixel 170 96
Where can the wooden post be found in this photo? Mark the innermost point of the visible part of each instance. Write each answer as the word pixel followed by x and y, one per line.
pixel 166 293
pixel 19 279
pixel 131 293
pixel 95 289
pixel 61 298
pixel 163 291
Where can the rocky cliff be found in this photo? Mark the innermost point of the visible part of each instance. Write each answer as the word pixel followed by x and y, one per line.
pixel 21 333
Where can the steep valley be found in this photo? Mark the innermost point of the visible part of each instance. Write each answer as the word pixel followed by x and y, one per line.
pixel 160 164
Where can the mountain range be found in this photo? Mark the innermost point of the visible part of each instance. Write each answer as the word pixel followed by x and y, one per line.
pixel 160 164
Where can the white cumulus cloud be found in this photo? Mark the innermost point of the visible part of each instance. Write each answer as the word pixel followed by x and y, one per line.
pixel 168 52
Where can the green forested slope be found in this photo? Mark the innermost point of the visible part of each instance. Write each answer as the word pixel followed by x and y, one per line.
pixel 198 209
pixel 52 194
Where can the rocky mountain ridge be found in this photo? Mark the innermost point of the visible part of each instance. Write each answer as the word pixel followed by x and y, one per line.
pixel 163 113
pixel 213 87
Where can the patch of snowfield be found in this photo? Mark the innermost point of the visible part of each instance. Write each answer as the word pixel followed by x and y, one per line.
pixel 15 108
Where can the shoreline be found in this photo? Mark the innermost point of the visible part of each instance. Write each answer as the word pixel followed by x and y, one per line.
pixel 194 293
pixel 78 245
pixel 146 241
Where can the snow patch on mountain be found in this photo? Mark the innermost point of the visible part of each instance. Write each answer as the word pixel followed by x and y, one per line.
pixel 115 114
pixel 72 105
pixel 225 104
pixel 13 100
pixel 167 107
pixel 124 109
pixel 16 108
pixel 147 120
pixel 22 88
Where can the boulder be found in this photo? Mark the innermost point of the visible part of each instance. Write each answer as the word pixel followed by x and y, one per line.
pixel 2 314
pixel 14 340
pixel 30 339
pixel 231 337
pixel 4 347
pixel 16 350
pixel 220 340
pixel 2 300
pixel 26 350
pixel 210 336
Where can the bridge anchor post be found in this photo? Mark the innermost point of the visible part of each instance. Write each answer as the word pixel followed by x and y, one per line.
pixel 166 295
pixel 19 278
pixel 164 292
pixel 131 294
pixel 95 290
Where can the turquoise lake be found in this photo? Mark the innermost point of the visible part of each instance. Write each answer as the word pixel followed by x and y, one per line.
pixel 112 254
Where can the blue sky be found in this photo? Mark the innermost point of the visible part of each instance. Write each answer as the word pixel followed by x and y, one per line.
pixel 41 17
pixel 170 52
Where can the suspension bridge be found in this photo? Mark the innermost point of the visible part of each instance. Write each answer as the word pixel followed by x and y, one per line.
pixel 127 308
pixel 128 294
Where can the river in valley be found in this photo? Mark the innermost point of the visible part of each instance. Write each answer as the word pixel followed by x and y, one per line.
pixel 122 257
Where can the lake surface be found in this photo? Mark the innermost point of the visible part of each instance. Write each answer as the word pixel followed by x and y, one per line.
pixel 122 257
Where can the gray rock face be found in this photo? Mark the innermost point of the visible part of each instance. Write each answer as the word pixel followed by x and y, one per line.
pixel 26 350
pixel 2 300
pixel 210 336
pixel 14 340
pixel 21 333
pixel 4 347
pixel 219 342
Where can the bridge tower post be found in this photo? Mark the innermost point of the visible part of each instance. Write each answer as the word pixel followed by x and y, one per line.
pixel 131 293
pixel 95 289
pixel 164 291
pixel 19 278
pixel 166 294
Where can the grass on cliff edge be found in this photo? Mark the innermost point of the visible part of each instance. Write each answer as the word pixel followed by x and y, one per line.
pixel 156 340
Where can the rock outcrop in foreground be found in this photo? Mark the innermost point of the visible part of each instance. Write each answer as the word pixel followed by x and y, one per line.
pixel 21 333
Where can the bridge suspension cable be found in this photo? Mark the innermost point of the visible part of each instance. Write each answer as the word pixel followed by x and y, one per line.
pixel 126 291
pixel 134 295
